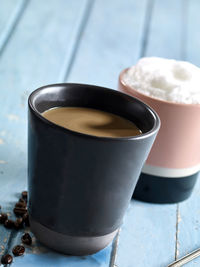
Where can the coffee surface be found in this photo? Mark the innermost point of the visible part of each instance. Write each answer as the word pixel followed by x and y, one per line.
pixel 92 121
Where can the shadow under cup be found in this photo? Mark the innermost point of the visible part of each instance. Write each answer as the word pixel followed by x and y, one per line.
pixel 80 185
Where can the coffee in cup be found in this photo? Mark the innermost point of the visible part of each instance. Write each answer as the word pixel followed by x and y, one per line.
pixel 92 121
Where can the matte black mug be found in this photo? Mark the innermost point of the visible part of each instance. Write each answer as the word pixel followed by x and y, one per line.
pixel 80 185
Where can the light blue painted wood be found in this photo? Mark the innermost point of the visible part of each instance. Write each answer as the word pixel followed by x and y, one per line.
pixel 147 238
pixel 110 42
pixel 40 46
pixel 10 13
pixel 165 38
pixel 7 8
pixel 192 40
pixel 189 211
pixel 50 259
pixel 189 226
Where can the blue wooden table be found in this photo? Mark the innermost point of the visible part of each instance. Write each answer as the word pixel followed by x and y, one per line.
pixel 91 41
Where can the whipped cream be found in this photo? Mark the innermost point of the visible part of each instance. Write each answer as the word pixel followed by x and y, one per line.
pixel 165 79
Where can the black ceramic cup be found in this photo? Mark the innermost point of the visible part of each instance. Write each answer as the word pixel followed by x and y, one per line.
pixel 80 185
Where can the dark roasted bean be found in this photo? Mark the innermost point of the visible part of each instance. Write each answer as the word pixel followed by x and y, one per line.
pixel 24 195
pixel 22 200
pixel 18 224
pixel 9 224
pixel 18 250
pixel 20 211
pixel 26 219
pixel 3 217
pixel 26 239
pixel 6 259
pixel 20 205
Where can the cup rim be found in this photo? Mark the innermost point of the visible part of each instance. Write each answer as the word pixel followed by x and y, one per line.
pixel 153 130
pixel 151 97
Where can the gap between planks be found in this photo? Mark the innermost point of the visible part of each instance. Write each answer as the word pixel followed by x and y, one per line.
pixel 184 29
pixel 177 232
pixel 83 23
pixel 12 23
pixel 147 24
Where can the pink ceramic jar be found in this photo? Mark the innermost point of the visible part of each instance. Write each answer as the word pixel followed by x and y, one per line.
pixel 173 164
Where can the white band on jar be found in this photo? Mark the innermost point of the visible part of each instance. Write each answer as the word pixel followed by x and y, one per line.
pixel 170 172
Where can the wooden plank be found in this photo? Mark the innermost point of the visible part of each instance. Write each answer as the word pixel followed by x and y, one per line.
pixel 165 39
pixel 147 237
pixel 192 40
pixel 189 211
pixel 10 13
pixel 7 8
pixel 111 42
pixel 39 48
pixel 189 226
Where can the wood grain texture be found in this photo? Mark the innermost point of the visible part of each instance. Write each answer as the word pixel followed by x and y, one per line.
pixel 189 226
pixel 40 46
pixel 192 39
pixel 165 39
pixel 91 42
pixel 10 13
pixel 147 238
pixel 110 42
pixel 188 237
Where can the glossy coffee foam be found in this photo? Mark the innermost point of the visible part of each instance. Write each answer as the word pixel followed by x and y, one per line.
pixel 92 121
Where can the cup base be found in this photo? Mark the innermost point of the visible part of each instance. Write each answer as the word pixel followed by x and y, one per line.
pixel 71 245
pixel 157 189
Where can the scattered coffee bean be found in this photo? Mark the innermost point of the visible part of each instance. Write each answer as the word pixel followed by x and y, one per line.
pixel 26 239
pixel 22 200
pixel 6 259
pixel 20 211
pixel 18 250
pixel 18 224
pixel 20 205
pixel 9 224
pixel 26 219
pixel 3 217
pixel 24 195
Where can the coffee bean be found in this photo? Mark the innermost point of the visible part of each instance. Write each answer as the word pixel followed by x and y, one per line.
pixel 20 211
pixel 6 259
pixel 26 239
pixel 20 205
pixel 18 250
pixel 18 224
pixel 22 200
pixel 9 224
pixel 24 195
pixel 26 219
pixel 3 217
